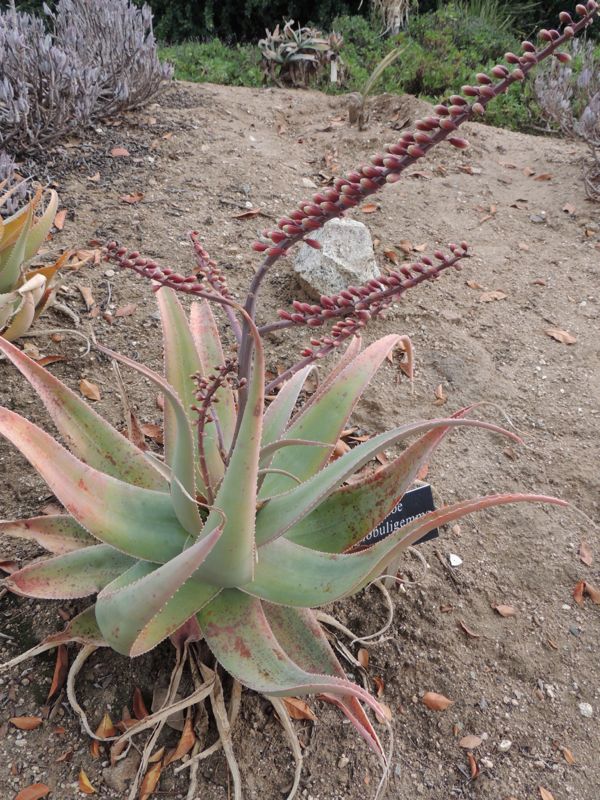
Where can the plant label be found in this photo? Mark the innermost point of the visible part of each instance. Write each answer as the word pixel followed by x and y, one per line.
pixel 415 503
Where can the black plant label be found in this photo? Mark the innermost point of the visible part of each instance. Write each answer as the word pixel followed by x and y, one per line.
pixel 415 503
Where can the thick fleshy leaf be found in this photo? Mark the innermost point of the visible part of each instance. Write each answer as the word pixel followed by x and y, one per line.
pixel 352 512
pixel 89 436
pixel 82 629
pixel 289 574
pixel 167 590
pixel 238 633
pixel 138 522
pixel 11 258
pixel 41 226
pixel 277 415
pixel 303 639
pixel 76 574
pixel 231 563
pixel 57 533
pixel 181 363
pixel 285 510
pixel 323 421
pixel 183 490
pixel 348 356
pixel 208 344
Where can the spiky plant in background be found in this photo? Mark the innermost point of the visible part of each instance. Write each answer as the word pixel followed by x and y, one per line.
pixel 231 543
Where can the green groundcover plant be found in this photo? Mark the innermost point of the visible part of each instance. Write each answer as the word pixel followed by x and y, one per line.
pixel 232 542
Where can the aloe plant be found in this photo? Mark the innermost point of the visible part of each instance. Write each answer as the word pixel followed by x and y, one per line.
pixel 24 293
pixel 248 525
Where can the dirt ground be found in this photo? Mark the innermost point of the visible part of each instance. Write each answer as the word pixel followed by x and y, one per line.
pixel 202 155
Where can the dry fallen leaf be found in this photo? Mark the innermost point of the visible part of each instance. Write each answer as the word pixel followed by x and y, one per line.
pixel 440 396
pixel 474 285
pixel 45 361
pixel 84 783
pixel 369 208
pixel 568 208
pixel 251 212
pixel 578 592
pixel 340 448
pixel 585 554
pixel 386 716
pixel 473 768
pixel 34 792
pixel 564 337
pixel 105 730
pixel 26 723
pixel 405 245
pixel 126 310
pixel 59 219
pixel 119 152
pixel 185 744
pixel 87 295
pixel 489 297
pixel 392 256
pixel 95 178
pixel 139 707
pixel 470 742
pixel 543 176
pixel 363 658
pixel 67 755
pixel 592 593
pixel 545 794
pixel 527 171
pixel 152 431
pixel 61 669
pixel 524 247
pixel 505 611
pixel 569 757
pixel 467 630
pixel 89 389
pixel 436 702
pixel 379 686
pixel 298 709
pixel 132 199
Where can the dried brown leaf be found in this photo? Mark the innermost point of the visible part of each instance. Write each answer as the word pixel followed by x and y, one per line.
pixel 585 554
pixel 569 208
pixel 528 171
pixel 34 792
pixel 545 794
pixel 543 176
pixel 26 723
pixel 392 256
pixel 474 285
pixel 84 783
pixel 67 755
pixel 405 245
pixel 473 768
pixel 89 389
pixel 185 744
pixel 569 757
pixel 578 592
pixel 369 208
pixel 132 199
pixel 152 431
pixel 564 337
pixel 363 657
pixel 440 396
pixel 592 593
pixel 490 297
pixel 505 611
pixel 45 361
pixel 88 297
pixel 139 707
pixel 95 178
pixel 379 685
pixel 470 742
pixel 119 152
pixel 61 669
pixel 59 219
pixel 126 310
pixel 248 214
pixel 467 630
pixel 436 702
pixel 523 246
pixel 298 709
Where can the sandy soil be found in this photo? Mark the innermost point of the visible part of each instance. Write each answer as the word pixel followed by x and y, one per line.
pixel 202 155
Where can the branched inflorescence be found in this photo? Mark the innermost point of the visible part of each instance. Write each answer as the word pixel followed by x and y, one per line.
pixel 388 167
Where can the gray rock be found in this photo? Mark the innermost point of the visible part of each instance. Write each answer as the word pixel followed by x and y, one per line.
pixel 120 776
pixel 346 258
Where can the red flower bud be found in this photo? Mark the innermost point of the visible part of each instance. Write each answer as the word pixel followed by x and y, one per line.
pixel 292 230
pixel 284 315
pixel 354 177
pixel 377 159
pixel 312 210
pixel 422 138
pixel 488 91
pixel 348 202
pixel 592 5
pixel 397 149
pixel 314 322
pixel 564 58
pixel 393 177
pixel 392 163
pixel 260 247
pixel 545 35
pixel 298 319
pixel 455 141
pixel 478 108
pixel 369 171
pixel 581 10
pixel 326 301
pixel 569 32
pixel 329 208
pixel 307 352
pixel 312 224
pixel 511 58
pixel 414 151
pixel 518 74
pixel 554 34
pixel 368 185
pixel 464 245
pixel 499 71
pixel 528 47
pixel 277 236
pixel 441 110
pixel 456 111
pixel 470 91
pixel 275 252
pixel 447 124
pixel 331 195
pixel 439 255
pixel 565 18
pixel 457 100
pixel 483 79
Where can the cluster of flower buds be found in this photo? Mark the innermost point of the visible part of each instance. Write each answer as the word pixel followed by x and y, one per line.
pixel 387 167
pixel 207 269
pixel 164 276
pixel 351 309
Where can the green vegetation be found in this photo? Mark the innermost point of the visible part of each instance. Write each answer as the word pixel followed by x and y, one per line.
pixel 441 52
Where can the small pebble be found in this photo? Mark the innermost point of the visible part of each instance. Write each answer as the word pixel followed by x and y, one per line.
pixel 586 710
pixel 455 561
pixel 574 630
pixel 505 745
pixel 538 219
pixel 487 763
pixel 109 273
pixel 343 762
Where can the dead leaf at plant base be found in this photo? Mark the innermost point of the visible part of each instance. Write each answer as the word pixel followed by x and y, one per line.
pixel 470 742
pixel 437 702
pixel 564 337
pixel 34 792
pixel 298 709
